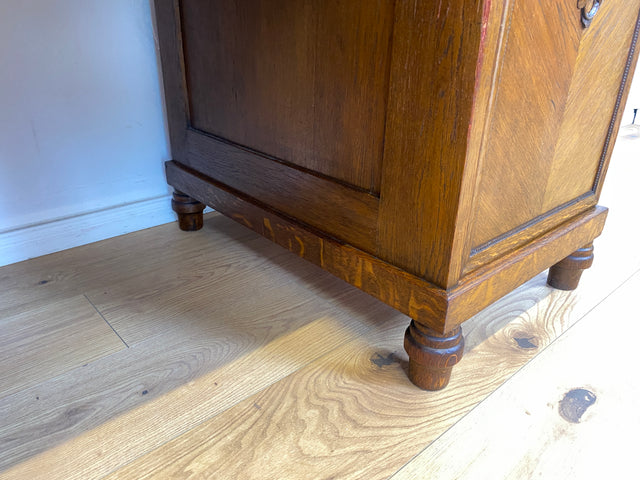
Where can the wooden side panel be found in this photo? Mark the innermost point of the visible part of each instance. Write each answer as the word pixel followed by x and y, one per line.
pixel 435 307
pixel 595 103
pixel 169 33
pixel 434 58
pixel 540 52
pixel 558 91
pixel 303 81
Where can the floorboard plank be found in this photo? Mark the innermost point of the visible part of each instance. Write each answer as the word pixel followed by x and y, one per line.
pixel 571 413
pixel 247 362
pixel 353 414
pixel 40 343
pixel 182 388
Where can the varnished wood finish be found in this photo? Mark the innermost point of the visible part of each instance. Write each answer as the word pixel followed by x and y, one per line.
pixel 432 356
pixel 554 446
pixel 189 211
pixel 434 156
pixel 238 342
pixel 435 54
pixel 438 309
pixel 556 138
pixel 565 275
pixel 355 212
pixel 308 84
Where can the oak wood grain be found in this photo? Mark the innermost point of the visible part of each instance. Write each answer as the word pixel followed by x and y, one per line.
pixel 164 387
pixel 351 413
pixel 549 139
pixel 42 342
pixel 342 212
pixel 433 307
pixel 238 328
pixel 524 127
pixel 357 389
pixel 528 428
pixel 588 128
pixel 167 22
pixel 305 81
pixel 434 59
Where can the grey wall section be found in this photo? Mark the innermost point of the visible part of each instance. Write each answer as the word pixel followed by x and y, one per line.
pixel 81 117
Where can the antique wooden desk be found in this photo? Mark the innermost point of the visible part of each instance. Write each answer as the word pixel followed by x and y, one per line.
pixel 434 153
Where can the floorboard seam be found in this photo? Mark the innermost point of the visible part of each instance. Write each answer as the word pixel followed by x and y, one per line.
pixel 106 321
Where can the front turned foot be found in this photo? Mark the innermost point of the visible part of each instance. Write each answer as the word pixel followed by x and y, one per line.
pixel 432 355
pixel 565 275
pixel 189 211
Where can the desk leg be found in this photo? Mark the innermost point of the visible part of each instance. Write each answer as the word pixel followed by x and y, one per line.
pixel 432 355
pixel 565 275
pixel 189 211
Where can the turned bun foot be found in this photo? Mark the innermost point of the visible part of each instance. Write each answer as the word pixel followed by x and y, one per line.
pixel 565 275
pixel 432 355
pixel 189 211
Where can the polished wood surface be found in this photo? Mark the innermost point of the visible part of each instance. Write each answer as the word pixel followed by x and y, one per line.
pixel 308 84
pixel 432 356
pixel 566 274
pixel 425 303
pixel 189 211
pixel 437 158
pixel 555 134
pixel 587 443
pixel 233 341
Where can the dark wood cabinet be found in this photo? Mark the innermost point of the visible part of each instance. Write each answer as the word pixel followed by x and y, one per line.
pixel 434 154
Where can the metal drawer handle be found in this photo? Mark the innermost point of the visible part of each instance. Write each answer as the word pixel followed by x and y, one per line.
pixel 589 10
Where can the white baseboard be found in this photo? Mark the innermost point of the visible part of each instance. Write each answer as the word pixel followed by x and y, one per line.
pixel 60 234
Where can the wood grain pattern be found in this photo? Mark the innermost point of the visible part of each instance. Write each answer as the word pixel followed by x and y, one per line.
pixel 352 414
pixel 592 445
pixel 496 279
pixel 39 343
pixel 524 128
pixel 167 22
pixel 417 298
pixel 434 59
pixel 294 316
pixel 588 128
pixel 336 415
pixel 342 212
pixel 482 99
pixel 305 81
pixel 37 282
pixel 164 306
pixel 188 379
pixel 433 307
pixel 556 136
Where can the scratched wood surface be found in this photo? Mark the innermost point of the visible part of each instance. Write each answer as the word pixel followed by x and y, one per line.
pixel 243 361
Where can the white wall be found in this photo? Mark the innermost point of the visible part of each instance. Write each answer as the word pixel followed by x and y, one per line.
pixel 81 124
pixel 82 134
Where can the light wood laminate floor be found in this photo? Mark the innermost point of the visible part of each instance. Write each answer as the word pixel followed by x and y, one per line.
pixel 216 354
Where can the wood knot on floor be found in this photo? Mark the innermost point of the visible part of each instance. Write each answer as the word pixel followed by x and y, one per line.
pixel 575 403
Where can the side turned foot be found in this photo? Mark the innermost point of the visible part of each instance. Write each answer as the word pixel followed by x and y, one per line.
pixel 189 211
pixel 432 355
pixel 565 275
